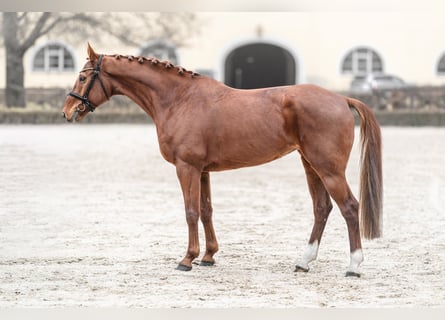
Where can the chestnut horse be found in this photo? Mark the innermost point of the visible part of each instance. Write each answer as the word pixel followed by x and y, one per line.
pixel 203 126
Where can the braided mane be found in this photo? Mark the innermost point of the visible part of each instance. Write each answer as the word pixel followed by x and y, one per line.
pixel 156 62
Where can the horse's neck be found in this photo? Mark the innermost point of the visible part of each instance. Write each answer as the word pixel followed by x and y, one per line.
pixel 149 88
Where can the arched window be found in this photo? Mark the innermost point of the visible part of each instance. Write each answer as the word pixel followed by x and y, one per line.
pixel 441 66
pixel 53 56
pixel 362 61
pixel 160 49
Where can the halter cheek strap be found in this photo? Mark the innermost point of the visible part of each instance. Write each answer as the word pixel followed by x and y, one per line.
pixel 96 75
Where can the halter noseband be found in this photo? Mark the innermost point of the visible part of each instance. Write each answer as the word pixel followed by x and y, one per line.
pixel 84 99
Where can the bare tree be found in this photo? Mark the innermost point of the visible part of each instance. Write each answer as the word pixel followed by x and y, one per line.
pixel 22 29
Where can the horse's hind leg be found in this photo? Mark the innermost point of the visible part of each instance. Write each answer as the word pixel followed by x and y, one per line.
pixel 322 207
pixel 206 219
pixel 339 190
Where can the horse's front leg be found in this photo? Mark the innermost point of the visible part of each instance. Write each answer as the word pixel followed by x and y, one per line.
pixel 206 218
pixel 190 179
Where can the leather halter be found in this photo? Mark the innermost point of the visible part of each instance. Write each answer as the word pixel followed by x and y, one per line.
pixel 87 104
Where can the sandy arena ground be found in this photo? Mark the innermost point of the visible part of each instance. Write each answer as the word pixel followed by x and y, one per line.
pixel 92 215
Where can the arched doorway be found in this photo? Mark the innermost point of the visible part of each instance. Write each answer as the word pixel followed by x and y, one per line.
pixel 259 65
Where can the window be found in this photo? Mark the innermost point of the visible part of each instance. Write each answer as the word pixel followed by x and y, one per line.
pixel 161 50
pixel 53 57
pixel 441 66
pixel 362 61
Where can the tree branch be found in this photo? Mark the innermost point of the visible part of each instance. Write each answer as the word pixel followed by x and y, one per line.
pixel 51 26
pixel 36 32
pixel 22 16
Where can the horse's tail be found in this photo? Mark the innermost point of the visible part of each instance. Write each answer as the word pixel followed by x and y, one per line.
pixel 371 188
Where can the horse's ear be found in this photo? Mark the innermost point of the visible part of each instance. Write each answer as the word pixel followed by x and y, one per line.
pixel 92 56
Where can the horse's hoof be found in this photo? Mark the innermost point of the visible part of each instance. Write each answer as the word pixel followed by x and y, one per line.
pixel 352 274
pixel 182 267
pixel 207 263
pixel 300 269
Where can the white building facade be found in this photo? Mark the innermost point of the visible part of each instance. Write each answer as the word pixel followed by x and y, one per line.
pixel 253 49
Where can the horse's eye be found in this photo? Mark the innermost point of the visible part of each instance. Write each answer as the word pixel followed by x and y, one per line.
pixel 82 78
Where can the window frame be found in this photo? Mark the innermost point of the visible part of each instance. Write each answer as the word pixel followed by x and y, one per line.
pixel 363 60
pixel 49 53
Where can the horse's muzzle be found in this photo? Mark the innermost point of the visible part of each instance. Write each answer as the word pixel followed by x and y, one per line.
pixel 72 118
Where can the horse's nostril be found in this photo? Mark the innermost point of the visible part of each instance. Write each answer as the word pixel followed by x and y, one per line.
pixel 64 115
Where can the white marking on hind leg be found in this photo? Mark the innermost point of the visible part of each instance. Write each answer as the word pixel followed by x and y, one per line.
pixel 309 255
pixel 356 260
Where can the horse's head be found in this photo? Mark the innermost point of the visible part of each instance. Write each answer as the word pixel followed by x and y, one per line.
pixel 89 90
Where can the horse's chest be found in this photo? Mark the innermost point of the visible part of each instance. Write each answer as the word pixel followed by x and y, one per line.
pixel 166 150
pixel 189 148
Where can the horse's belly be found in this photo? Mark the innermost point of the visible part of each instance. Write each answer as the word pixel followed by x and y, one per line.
pixel 244 154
